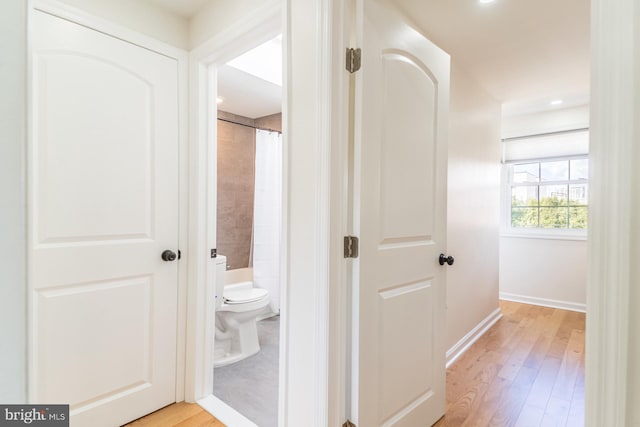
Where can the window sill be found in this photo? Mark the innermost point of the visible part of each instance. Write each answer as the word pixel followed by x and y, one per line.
pixel 545 235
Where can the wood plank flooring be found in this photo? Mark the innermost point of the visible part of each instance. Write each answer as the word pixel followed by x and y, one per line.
pixel 178 415
pixel 527 370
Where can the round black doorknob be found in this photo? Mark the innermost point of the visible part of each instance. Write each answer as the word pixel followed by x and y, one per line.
pixel 448 259
pixel 169 255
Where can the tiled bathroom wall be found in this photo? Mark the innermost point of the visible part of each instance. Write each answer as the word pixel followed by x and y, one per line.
pixel 236 156
pixel 236 165
pixel 272 122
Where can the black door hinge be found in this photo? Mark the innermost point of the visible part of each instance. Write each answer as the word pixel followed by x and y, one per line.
pixel 354 59
pixel 351 247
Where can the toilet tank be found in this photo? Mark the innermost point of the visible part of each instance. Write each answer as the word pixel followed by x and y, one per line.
pixel 221 274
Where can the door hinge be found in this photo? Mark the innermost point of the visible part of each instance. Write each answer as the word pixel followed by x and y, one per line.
pixel 354 57
pixel 351 247
pixel 348 424
pixel 214 253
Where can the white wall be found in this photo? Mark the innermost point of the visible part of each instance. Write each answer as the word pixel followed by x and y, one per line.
pixel 220 15
pixel 140 16
pixel 544 271
pixel 473 206
pixel 12 202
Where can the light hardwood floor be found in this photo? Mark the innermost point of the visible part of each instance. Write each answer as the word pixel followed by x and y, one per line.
pixel 527 370
pixel 179 414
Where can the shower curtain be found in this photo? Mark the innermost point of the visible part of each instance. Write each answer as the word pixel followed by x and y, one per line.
pixel 267 214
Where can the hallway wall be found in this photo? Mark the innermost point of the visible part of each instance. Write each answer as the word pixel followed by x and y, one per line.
pixel 220 15
pixel 13 310
pixel 473 218
pixel 140 16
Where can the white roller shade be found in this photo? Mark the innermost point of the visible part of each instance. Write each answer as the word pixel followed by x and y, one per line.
pixel 565 144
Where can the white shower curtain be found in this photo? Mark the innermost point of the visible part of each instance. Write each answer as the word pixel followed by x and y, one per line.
pixel 267 214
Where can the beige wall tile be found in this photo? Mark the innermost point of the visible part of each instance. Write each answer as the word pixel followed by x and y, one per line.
pixel 236 166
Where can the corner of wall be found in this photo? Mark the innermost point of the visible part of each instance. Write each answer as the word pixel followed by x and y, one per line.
pixel 220 15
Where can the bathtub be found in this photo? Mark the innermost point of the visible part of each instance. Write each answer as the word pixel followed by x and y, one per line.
pixel 239 275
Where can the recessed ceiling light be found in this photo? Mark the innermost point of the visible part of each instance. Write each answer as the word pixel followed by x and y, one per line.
pixel 556 102
pixel 219 100
pixel 486 1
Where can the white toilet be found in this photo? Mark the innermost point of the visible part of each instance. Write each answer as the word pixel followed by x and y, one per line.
pixel 237 307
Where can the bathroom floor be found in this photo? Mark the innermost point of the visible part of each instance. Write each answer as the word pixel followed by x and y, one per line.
pixel 251 385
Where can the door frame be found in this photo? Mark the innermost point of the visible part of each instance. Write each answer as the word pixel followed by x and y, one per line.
pixel 614 230
pixel 315 105
pixel 78 16
pixel 254 29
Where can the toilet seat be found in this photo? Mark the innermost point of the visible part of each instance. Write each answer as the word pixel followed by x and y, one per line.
pixel 244 296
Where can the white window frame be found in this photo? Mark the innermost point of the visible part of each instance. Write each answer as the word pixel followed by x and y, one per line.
pixel 507 230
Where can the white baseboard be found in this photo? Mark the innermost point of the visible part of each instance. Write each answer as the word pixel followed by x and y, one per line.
pixel 463 345
pixel 564 305
pixel 224 412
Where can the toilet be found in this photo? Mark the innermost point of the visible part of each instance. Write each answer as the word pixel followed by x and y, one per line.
pixel 237 307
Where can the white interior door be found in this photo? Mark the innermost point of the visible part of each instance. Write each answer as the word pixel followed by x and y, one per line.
pixel 401 105
pixel 103 184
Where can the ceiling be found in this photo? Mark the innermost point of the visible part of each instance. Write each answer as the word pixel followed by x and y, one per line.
pixel 250 85
pixel 247 95
pixel 184 8
pixel 525 53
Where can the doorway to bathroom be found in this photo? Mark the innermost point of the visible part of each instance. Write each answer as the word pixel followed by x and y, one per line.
pixel 248 220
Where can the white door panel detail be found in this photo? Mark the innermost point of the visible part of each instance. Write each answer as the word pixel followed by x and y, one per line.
pixel 400 152
pixel 103 205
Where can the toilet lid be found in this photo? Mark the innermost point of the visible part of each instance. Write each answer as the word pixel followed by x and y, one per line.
pixel 241 296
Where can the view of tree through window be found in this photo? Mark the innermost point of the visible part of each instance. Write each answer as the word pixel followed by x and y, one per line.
pixel 551 194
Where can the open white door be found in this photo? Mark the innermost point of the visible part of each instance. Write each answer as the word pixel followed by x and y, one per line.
pixel 103 192
pixel 401 105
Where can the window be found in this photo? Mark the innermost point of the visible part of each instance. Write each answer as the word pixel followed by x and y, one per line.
pixel 549 194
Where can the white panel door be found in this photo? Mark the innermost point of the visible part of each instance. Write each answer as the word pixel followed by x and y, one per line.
pixel 401 105
pixel 103 184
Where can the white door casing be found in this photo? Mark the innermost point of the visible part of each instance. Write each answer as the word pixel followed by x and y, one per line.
pixel 261 25
pixel 103 192
pixel 401 105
